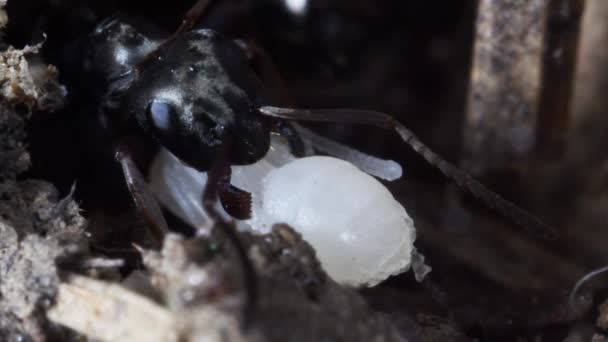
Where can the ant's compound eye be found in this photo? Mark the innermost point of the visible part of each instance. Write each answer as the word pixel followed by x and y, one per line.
pixel 161 114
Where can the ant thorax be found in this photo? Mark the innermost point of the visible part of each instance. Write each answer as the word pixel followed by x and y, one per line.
pixel 113 49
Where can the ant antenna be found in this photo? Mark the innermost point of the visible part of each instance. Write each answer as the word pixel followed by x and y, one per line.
pixel 491 199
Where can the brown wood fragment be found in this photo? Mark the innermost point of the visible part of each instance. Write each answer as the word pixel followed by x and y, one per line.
pixel 587 142
pixel 505 83
pixel 560 52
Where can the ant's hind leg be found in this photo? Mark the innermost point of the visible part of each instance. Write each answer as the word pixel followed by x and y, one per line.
pixel 144 201
pixel 491 199
pixel 193 16
pixel 266 69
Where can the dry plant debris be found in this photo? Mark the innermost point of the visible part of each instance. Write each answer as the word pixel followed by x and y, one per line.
pixel 38 230
pixel 505 82
pixel 110 312
pixel 196 297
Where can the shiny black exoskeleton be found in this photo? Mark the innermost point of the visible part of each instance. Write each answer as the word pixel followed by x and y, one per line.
pixel 188 92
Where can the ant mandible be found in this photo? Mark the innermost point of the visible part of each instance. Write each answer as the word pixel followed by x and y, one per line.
pixel 206 99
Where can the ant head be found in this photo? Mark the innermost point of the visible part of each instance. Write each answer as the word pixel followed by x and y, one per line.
pixel 183 96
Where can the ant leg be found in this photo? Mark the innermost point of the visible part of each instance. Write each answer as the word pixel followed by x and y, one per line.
pixel 191 17
pixel 491 199
pixel 194 14
pixel 269 73
pixel 144 200
pixel 265 68
pixel 286 129
pixel 215 181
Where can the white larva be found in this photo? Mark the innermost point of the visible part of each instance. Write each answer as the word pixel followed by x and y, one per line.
pixel 360 233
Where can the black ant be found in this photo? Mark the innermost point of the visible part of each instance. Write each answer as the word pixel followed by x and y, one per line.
pixel 207 99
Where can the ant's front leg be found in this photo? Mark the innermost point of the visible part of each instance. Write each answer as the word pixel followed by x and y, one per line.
pixel 144 201
pixel 216 183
